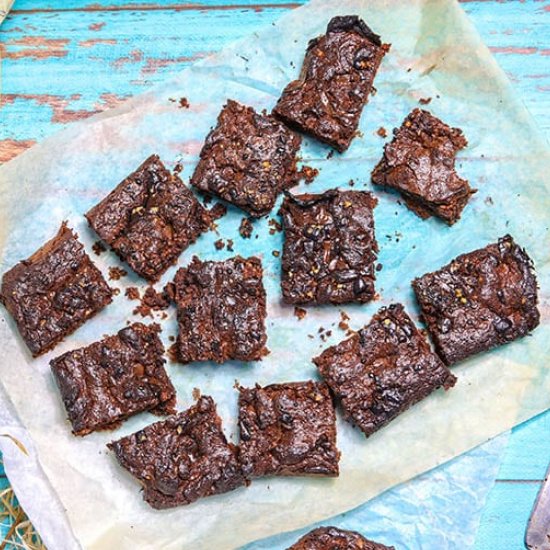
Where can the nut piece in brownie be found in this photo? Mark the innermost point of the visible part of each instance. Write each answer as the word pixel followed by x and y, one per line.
pixel 332 538
pixel 221 310
pixel 52 293
pixel 149 219
pixel 329 249
pixel 480 300
pixel 382 370
pixel 335 82
pixel 182 458
pixel 248 159
pixel 288 429
pixel 420 164
pixel 109 381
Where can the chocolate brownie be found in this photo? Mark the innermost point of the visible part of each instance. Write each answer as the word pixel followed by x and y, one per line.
pixel 420 164
pixel 288 429
pixel 332 538
pixel 149 219
pixel 52 293
pixel 221 310
pixel 109 381
pixel 329 249
pixel 248 159
pixel 382 370
pixel 183 458
pixel 480 300
pixel 335 82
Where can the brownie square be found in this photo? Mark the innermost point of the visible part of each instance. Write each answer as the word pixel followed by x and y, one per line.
pixel 335 82
pixel 248 159
pixel 329 249
pixel 52 293
pixel 288 429
pixel 149 219
pixel 480 300
pixel 182 458
pixel 420 164
pixel 332 538
pixel 382 370
pixel 221 310
pixel 110 380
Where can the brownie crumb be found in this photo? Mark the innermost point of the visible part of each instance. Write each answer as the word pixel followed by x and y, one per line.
pixel 196 393
pixel 300 312
pixel 382 132
pixel 116 291
pixel 183 103
pixel 308 174
pixel 98 247
pixel 132 293
pixel 351 183
pixel 178 168
pixel 274 226
pixel 218 211
pixel 424 100
pixel 378 267
pixel 157 301
pixel 246 228
pixel 330 154
pixel 172 338
pixel 276 253
pixel 230 245
pixel 143 310
pixel 116 273
pixel 219 244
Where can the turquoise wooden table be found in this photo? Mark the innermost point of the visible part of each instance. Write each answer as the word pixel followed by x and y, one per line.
pixel 64 60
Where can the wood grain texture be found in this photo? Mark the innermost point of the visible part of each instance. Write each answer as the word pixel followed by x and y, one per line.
pixel 66 60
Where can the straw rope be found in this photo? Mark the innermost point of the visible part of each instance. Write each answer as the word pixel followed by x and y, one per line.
pixel 20 532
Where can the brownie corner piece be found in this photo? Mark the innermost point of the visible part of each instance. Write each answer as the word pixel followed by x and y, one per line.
pixel 335 82
pixel 419 163
pixel 288 429
pixel 480 300
pixel 248 159
pixel 333 538
pixel 329 248
pixel 54 291
pixel 108 381
pixel 221 310
pixel 183 458
pixel 149 219
pixel 384 369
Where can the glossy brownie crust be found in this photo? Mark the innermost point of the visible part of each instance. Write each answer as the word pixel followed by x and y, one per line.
pixel 248 159
pixel 329 249
pixel 288 429
pixel 51 294
pixel 221 310
pixel 335 82
pixel 332 538
pixel 149 219
pixel 420 164
pixel 109 381
pixel 382 370
pixel 480 300
pixel 181 459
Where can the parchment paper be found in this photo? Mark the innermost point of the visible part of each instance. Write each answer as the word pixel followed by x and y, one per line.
pixel 506 160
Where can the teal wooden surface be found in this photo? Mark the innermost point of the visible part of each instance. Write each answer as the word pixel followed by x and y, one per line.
pixel 64 60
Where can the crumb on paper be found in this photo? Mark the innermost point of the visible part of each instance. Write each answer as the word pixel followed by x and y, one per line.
pixel 183 103
pixel 246 228
pixel 330 154
pixel 308 174
pixel 196 393
pixel 379 266
pixel 275 253
pixel 300 312
pixel 178 168
pixel 424 100
pixel 274 226
pixel 98 247
pixel 116 273
pixel 230 245
pixel 132 293
pixel 382 132
pixel 218 211
pixel 351 183
pixel 116 291
pixel 152 301
pixel 219 244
